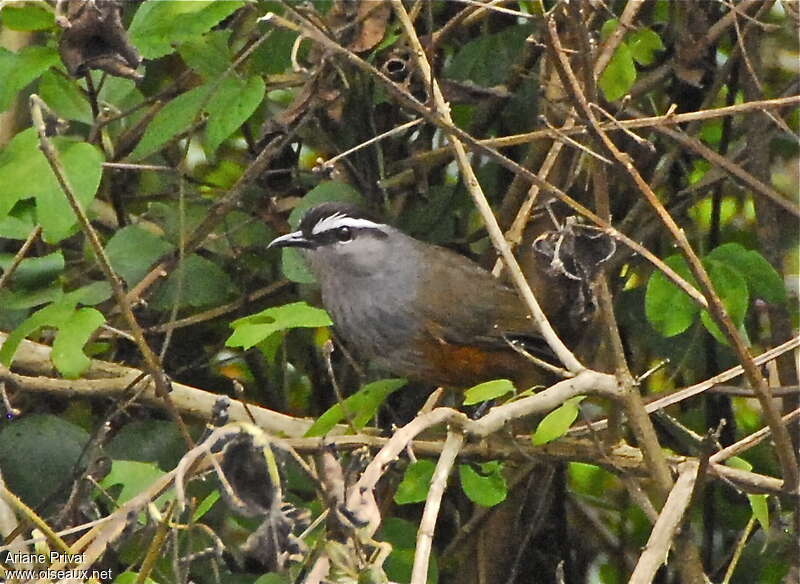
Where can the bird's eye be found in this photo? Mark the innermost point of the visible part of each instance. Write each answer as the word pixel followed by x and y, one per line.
pixel 344 234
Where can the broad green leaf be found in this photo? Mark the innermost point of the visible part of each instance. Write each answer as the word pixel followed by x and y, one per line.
pixel 174 118
pixel 488 59
pixel 210 55
pixel 153 441
pixel 711 132
pixel 609 26
pixel 556 423
pixel 486 487
pixel 35 272
pixel 132 251
pixel 196 282
pixel 18 69
pixel 229 107
pixel 73 334
pixel 619 75
pixel 134 477
pixel 52 315
pixel 253 329
pixel 12 227
pixel 91 294
pixel 83 164
pixel 739 463
pixel 23 299
pixel 758 504
pixel 731 287
pixel 359 408
pixel 25 173
pixel 643 43
pixel 38 454
pixel 158 27
pixel 416 482
pixel 274 57
pixel 668 309
pixel 294 268
pixel 488 390
pixel 762 279
pixel 27 17
pixel 65 98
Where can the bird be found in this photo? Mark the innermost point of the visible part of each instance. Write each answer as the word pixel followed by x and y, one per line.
pixel 412 308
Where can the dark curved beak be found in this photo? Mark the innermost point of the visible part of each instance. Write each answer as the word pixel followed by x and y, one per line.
pixel 293 239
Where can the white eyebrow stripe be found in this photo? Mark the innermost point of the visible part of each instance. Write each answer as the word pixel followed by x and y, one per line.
pixel 338 220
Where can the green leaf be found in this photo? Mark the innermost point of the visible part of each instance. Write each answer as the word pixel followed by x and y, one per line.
pixel 643 43
pixel 668 309
pixel 758 504
pixel 132 578
pixel 739 463
pixel 210 55
pixel 619 75
pixel 38 454
pixel 274 578
pixel 253 329
pixel 732 290
pixel 609 26
pixel 202 283
pixel 205 505
pixel 487 487
pixel 156 441
pixel 83 164
pixel 91 294
pixel 762 279
pixel 134 477
pixel 132 251
pixel 158 27
pixel 359 408
pixel 294 267
pixel 73 334
pixel 27 17
pixel 556 423
pixel 23 299
pixel 35 272
pixel 416 482
pixel 52 315
pixel 488 59
pixel 17 70
pixel 24 173
pixel 488 390
pixel 231 106
pixel 12 227
pixel 65 98
pixel 175 118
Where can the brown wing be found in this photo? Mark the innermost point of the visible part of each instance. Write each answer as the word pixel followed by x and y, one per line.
pixel 465 304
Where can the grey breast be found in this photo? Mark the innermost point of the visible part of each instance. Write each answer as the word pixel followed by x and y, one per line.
pixel 373 312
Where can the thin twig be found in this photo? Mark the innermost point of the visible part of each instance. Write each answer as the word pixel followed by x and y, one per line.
pixel 670 519
pixel 20 255
pixel 427 524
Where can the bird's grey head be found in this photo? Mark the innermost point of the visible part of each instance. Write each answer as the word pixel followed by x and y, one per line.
pixel 341 239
